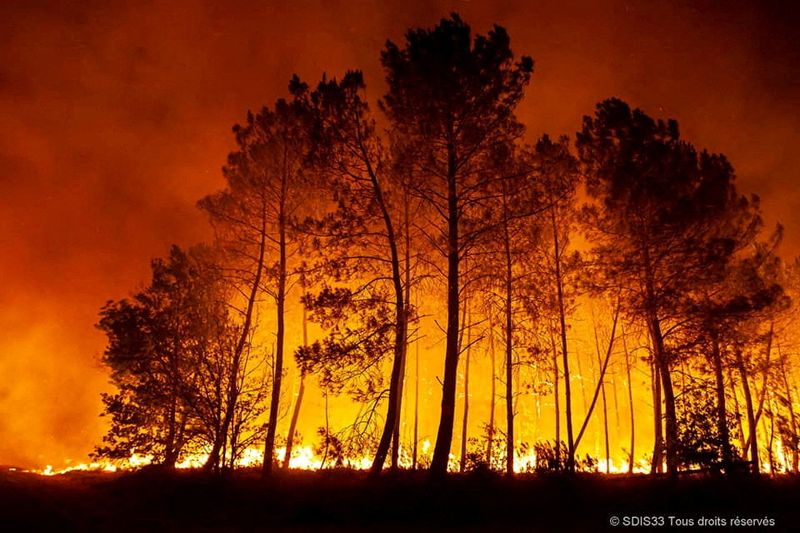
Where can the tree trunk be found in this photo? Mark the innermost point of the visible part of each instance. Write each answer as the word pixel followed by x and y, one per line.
pixel 233 391
pixel 582 376
pixel 764 381
pixel 401 384
pixel 557 413
pixel 737 412
pixel 563 332
pixel 598 423
pixel 657 463
pixel 170 452
pixel 662 367
pixel 400 321
pixel 751 419
pixel 394 390
pixel 280 300
pixel 615 394
pixel 444 437
pixel 398 410
pixel 662 364
pixel 603 392
pixel 393 403
pixel 327 432
pixel 287 457
pixel 792 420
pixel 416 406
pixel 465 419
pixel 771 443
pixel 180 439
pixel 722 412
pixel 603 369
pixel 509 345
pixel 630 401
pixel 492 392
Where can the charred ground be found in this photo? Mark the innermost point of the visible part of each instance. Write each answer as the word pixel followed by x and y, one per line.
pixel 346 500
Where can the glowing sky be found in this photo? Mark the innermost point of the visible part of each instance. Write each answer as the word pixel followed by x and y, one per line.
pixel 116 118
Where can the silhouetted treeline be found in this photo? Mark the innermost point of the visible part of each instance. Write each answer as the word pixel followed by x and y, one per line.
pixel 430 206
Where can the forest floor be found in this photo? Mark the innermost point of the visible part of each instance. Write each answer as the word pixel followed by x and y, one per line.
pixel 153 500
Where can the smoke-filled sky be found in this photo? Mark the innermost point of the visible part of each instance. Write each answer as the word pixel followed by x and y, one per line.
pixel 116 119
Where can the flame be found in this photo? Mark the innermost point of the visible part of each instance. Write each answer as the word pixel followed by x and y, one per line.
pixel 305 458
pixel 621 467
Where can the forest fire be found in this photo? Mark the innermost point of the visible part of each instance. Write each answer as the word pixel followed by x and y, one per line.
pixel 550 279
pixel 302 458
pixel 443 249
pixel 306 458
pixel 561 283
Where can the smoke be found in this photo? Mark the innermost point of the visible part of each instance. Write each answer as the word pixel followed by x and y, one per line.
pixel 117 117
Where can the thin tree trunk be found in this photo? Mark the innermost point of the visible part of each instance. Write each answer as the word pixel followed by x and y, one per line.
pixel 605 430
pixel 630 400
pixel 280 300
pixel 219 413
pixel 233 392
pixel 656 466
pixel 233 444
pixel 598 430
pixel 770 452
pixel 293 423
pixel 170 453
pixel 615 394
pixel 416 406
pixel 492 391
pixel 181 433
pixel 414 460
pixel 401 384
pixel 563 333
pixel 764 381
pixel 737 413
pixel 792 419
pixel 509 345
pixel 603 392
pixel 301 391
pixel 584 396
pixel 557 413
pixel 751 419
pixel 465 419
pixel 722 412
pixel 537 403
pixel 221 464
pixel 400 318
pixel 603 369
pixel 327 433
pixel 662 366
pixel 171 448
pixel 395 456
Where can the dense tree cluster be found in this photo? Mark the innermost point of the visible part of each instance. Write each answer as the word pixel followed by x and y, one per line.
pixel 436 207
